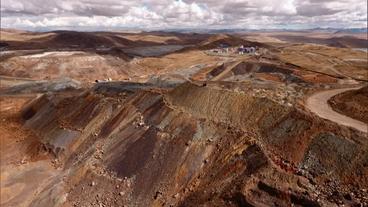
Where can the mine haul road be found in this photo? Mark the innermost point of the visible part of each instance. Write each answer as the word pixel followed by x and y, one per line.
pixel 317 103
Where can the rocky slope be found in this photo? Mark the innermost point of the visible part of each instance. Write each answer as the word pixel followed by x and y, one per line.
pixel 352 103
pixel 195 146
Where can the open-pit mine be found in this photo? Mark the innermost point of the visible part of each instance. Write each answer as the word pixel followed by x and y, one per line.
pixel 112 119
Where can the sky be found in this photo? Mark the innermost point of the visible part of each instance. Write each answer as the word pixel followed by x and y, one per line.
pixel 182 14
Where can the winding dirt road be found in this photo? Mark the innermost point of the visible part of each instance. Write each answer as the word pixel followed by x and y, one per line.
pixel 317 103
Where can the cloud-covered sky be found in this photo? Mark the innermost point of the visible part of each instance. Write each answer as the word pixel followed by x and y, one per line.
pixel 182 14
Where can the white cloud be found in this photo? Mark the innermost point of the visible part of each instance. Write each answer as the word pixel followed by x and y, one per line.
pixel 151 14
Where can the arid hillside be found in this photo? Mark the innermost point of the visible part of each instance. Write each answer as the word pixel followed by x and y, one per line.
pixel 213 147
pixel 352 103
pixel 180 119
pixel 87 56
pixel 343 39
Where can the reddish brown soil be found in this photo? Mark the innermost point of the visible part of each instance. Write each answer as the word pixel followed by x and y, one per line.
pixel 352 103
pixel 268 76
pixel 24 164
pixel 202 144
pixel 315 77
pixel 16 141
pixel 198 146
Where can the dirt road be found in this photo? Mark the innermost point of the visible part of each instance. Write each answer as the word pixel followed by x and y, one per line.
pixel 317 103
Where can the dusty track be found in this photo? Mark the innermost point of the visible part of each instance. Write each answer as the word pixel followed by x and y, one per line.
pixel 317 103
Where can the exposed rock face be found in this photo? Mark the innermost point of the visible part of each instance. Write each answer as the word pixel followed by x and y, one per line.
pixel 194 146
pixel 352 103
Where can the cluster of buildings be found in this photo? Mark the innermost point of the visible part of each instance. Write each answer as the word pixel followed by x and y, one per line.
pixel 241 50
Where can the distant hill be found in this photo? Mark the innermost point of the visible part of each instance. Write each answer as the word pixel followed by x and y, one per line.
pixel 353 30
pixel 67 39
pixel 342 42
pixel 87 40
pixel 223 39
